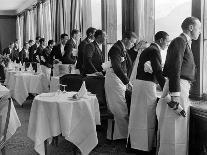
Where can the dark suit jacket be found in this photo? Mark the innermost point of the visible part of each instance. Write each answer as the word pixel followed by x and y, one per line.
pixel 179 63
pixel 69 48
pixel 93 58
pixel 14 55
pixel 81 51
pixel 6 51
pixel 47 56
pixel 22 56
pixel 121 69
pixel 133 54
pixel 32 53
pixel 152 54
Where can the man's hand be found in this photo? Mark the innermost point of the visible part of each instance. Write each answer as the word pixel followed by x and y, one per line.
pixel 129 86
pixel 98 73
pixel 56 61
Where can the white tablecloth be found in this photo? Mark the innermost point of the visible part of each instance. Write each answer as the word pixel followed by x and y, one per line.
pixel 23 83
pixel 54 83
pixel 14 121
pixel 52 115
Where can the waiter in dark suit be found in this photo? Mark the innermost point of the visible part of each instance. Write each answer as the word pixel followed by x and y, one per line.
pixel 81 48
pixel 58 52
pixel 33 50
pixel 24 54
pixel 142 119
pixel 116 83
pixel 179 69
pixel 8 50
pixel 93 56
pixel 47 60
pixel 71 47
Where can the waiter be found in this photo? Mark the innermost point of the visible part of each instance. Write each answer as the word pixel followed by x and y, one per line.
pixel 142 118
pixel 180 70
pixel 116 83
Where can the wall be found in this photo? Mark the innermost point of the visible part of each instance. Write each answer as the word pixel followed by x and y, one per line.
pixel 7 30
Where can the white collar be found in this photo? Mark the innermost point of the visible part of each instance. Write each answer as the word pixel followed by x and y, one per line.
pixel 74 40
pixel 187 36
pixel 158 46
pixel 123 45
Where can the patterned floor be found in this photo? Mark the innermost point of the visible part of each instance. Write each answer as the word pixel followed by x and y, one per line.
pixel 20 144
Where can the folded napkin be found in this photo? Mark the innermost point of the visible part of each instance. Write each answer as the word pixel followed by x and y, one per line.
pixel 148 67
pixel 83 91
pixel 106 65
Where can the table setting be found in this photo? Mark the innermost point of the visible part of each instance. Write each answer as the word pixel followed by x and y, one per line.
pixel 72 114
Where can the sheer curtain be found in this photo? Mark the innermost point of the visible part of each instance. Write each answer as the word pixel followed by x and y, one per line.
pixel 59 17
pixel 66 16
pixel 40 20
pixel 21 27
pixel 139 16
pixel 27 25
pixel 86 17
pixel 18 29
pixel 33 24
pixel 53 8
pixel 76 14
pixel 47 30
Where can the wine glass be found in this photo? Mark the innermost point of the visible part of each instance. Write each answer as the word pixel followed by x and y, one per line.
pixel 64 91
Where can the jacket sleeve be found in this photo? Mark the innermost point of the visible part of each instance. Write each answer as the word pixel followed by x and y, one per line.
pixel 69 55
pixel 176 49
pixel 115 57
pixel 89 51
pixel 157 68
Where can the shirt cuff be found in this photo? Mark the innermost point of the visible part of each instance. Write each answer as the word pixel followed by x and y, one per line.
pixel 175 94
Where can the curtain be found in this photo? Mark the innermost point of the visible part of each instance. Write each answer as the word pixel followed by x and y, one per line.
pixel 66 16
pixel 59 19
pixel 32 24
pixel 53 8
pixel 139 16
pixel 86 16
pixel 18 32
pixel 40 20
pixel 76 14
pixel 47 30
pixel 27 25
pixel 21 27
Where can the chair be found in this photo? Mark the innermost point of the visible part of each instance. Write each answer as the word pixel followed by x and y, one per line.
pixel 5 106
pixel 73 81
pixel 95 84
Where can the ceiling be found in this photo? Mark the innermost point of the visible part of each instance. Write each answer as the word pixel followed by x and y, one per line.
pixel 14 6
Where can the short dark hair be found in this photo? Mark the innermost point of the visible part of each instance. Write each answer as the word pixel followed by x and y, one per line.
pixel 129 35
pixel 42 40
pixel 90 30
pixel 50 42
pixel 74 31
pixel 30 41
pixel 188 21
pixel 63 35
pixel 38 38
pixel 161 35
pixel 98 33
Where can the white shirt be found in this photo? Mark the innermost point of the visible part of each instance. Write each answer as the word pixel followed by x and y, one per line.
pixel 62 49
pixel 188 39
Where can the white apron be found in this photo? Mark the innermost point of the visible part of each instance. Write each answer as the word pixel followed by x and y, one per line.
pixel 142 119
pixel 172 128
pixel 134 70
pixel 115 97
